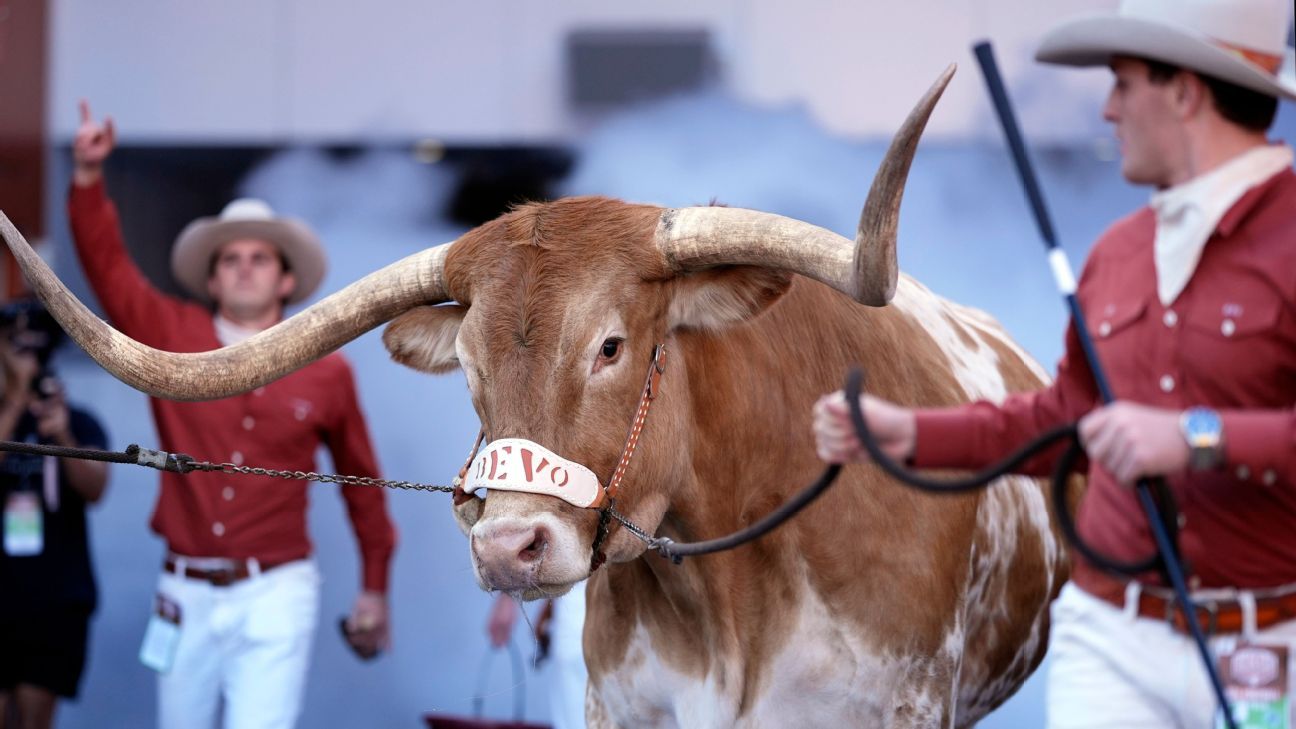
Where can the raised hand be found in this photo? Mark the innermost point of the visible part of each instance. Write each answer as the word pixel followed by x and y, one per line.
pixel 93 143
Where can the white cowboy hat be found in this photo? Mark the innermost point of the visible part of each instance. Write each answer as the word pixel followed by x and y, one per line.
pixel 1243 42
pixel 241 219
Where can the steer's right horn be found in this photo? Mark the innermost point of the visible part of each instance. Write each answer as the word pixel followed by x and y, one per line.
pixel 289 345
pixel 865 269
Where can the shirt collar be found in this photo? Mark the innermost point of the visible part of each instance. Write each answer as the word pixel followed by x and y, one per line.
pixel 1187 214
pixel 1215 192
pixel 229 333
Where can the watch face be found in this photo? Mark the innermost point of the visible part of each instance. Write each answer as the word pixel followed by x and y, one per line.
pixel 1202 427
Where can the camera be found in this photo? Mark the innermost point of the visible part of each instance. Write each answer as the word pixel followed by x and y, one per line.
pixel 29 327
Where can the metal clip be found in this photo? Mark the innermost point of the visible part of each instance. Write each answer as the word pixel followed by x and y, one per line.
pixel 151 458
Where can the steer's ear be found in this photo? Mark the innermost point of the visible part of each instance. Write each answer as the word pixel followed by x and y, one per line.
pixel 719 297
pixel 424 338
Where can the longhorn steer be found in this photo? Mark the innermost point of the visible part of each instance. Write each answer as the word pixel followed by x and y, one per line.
pixel 877 606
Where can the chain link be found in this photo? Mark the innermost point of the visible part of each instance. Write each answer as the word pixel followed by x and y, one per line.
pixel 635 530
pixel 312 476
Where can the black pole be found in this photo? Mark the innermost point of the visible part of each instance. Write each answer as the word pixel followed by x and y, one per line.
pixel 1066 286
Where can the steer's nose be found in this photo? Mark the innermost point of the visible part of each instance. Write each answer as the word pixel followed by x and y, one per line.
pixel 508 555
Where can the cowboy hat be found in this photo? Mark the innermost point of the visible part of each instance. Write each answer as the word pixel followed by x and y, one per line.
pixel 1242 42
pixel 243 219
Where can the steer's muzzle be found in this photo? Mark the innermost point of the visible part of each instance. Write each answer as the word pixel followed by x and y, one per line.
pixel 509 555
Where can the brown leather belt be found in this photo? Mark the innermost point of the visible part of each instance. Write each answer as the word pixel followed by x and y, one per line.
pixel 1215 616
pixel 237 570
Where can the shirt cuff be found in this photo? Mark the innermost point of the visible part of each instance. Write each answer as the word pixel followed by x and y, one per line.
pixel 1258 439
pixel 376 571
pixel 942 438
pixel 94 194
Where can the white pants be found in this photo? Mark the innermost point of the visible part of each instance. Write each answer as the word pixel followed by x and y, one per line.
pixel 1111 668
pixel 243 650
pixel 567 702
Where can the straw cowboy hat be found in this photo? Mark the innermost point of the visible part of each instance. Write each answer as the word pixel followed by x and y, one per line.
pixel 1243 42
pixel 247 218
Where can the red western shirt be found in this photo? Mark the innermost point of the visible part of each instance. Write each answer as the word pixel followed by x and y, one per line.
pixel 276 426
pixel 1228 342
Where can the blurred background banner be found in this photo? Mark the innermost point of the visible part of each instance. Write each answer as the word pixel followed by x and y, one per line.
pixel 394 125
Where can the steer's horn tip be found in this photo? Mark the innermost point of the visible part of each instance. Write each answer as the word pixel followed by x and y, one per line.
pixel 13 239
pixel 875 293
pixel 5 225
pixel 944 78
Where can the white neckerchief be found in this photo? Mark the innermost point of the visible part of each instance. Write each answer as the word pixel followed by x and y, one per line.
pixel 1187 214
pixel 230 333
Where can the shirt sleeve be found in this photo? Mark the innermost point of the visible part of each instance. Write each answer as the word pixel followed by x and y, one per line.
pixel 1262 440
pixel 981 433
pixel 348 442
pixel 132 304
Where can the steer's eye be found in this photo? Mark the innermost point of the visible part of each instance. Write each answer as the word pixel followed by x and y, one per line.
pixel 611 348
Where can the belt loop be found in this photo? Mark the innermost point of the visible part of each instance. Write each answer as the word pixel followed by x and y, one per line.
pixel 253 567
pixel 1247 601
pixel 180 567
pixel 1133 590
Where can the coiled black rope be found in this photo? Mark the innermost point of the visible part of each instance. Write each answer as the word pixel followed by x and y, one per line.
pixel 1061 475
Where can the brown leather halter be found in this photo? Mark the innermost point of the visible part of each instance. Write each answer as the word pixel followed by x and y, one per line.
pixel 607 501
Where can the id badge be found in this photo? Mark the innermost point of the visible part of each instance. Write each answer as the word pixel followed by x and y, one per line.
pixel 162 635
pixel 24 525
pixel 1257 678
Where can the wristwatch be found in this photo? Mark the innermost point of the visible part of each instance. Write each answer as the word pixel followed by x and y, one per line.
pixel 1204 431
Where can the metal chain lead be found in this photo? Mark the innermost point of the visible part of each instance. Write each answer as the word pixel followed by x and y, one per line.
pixel 312 476
pixel 635 530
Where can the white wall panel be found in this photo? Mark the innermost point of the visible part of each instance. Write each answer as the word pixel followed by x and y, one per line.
pixel 329 70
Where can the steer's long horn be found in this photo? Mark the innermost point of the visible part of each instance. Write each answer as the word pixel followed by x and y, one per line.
pixel 693 238
pixel 287 346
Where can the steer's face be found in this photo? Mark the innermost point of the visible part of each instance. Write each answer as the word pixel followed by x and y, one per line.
pixel 561 305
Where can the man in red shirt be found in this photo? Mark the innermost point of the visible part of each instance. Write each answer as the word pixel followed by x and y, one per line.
pixel 238 597
pixel 1192 305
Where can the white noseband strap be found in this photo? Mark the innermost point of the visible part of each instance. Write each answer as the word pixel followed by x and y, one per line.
pixel 517 464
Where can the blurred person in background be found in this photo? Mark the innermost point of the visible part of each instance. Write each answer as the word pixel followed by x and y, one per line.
pixel 559 628
pixel 1192 305
pixel 238 598
pixel 47 581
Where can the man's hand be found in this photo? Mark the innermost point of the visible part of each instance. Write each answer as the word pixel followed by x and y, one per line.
pixel 894 428
pixel 1131 441
pixel 53 423
pixel 503 616
pixel 368 630
pixel 19 368
pixel 93 143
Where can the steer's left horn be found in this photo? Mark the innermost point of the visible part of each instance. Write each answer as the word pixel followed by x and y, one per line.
pixel 866 270
pixel 287 346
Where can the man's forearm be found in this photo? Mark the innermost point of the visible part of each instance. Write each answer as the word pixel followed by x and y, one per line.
pixel 86 175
